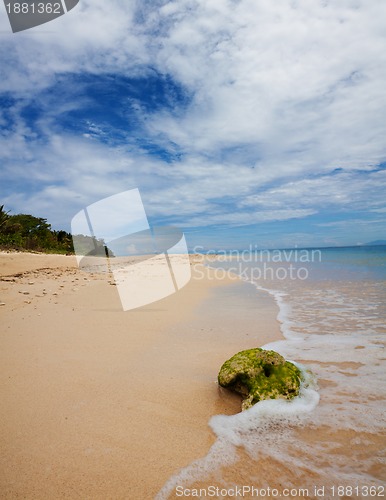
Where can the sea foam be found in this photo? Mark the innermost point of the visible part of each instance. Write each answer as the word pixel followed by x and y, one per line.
pixel 337 329
pixel 249 429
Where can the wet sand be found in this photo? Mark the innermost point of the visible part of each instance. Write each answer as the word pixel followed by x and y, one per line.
pixel 102 403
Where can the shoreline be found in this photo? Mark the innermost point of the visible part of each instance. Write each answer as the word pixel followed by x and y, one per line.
pixel 98 402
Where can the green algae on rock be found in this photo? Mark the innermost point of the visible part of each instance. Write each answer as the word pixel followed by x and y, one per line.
pixel 258 374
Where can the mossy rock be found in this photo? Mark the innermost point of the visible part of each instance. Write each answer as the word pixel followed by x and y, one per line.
pixel 258 374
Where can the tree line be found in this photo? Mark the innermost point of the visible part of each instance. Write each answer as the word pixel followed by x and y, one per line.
pixel 26 232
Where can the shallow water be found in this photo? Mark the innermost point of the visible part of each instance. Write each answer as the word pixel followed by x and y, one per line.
pixel 329 442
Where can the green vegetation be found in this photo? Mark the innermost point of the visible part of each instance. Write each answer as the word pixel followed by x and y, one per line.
pixel 26 232
pixel 258 374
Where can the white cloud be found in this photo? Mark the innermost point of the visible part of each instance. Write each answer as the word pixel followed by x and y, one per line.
pixel 280 90
pixel 281 77
pixel 96 36
pixel 234 219
pixel 343 190
pixel 352 223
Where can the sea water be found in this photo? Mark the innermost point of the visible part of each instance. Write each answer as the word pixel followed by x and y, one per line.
pixel 329 441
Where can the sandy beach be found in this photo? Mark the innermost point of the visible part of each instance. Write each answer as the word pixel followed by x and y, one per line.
pixel 100 403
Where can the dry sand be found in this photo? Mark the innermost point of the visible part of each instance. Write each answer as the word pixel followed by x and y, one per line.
pixel 98 403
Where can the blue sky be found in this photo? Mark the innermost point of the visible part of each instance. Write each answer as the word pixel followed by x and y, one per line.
pixel 243 122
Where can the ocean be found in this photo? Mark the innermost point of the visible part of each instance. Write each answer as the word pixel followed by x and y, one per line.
pixel 329 442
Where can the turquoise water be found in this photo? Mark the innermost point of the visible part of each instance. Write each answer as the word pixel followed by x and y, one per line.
pixel 333 320
pixel 358 263
pixel 341 263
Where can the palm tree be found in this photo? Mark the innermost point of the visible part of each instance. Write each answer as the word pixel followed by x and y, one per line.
pixel 3 217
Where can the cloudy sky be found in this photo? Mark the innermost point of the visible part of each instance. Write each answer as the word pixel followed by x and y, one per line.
pixel 240 121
